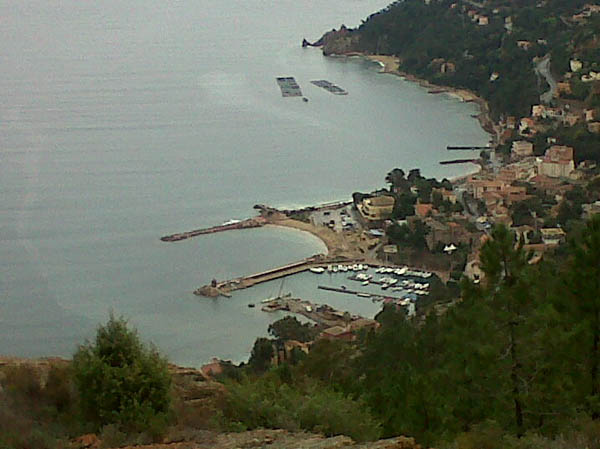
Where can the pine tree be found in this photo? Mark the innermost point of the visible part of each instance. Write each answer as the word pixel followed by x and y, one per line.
pixel 505 265
pixel 582 295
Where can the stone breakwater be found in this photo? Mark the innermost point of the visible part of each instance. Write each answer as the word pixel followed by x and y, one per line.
pixel 244 224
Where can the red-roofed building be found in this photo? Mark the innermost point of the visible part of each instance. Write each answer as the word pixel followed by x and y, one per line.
pixel 338 333
pixel 557 162
pixel 423 210
pixel 527 126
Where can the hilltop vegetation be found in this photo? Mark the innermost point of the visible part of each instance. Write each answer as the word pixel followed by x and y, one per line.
pixel 487 47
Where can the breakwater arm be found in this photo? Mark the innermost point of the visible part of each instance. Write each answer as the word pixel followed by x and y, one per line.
pixel 244 224
pixel 449 147
pixel 458 161
pixel 218 288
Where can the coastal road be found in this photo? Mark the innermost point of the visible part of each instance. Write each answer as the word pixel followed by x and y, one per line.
pixel 543 69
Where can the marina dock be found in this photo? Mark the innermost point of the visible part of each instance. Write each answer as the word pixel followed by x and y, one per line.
pixel 289 87
pixel 269 275
pixel 323 315
pixel 449 147
pixel 374 296
pixel 243 224
pixel 458 161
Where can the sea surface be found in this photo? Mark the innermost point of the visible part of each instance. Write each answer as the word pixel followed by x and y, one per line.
pixel 122 121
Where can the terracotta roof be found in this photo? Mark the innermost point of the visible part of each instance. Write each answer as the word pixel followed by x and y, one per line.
pixel 336 331
pixel 423 209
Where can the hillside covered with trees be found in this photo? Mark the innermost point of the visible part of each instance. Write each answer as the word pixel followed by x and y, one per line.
pixel 487 47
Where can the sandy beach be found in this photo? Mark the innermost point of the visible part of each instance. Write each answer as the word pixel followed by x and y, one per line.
pixel 350 245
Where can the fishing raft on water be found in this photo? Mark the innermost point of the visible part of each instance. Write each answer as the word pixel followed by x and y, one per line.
pixel 330 87
pixel 289 87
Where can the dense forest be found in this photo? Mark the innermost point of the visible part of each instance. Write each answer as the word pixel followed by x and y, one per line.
pixel 485 59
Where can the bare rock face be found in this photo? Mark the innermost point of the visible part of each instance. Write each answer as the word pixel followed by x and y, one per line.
pixel 341 45
pixel 336 42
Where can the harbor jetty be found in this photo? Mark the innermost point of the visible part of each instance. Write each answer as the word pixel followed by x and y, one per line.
pixel 226 287
pixel 458 161
pixel 454 148
pixel 256 222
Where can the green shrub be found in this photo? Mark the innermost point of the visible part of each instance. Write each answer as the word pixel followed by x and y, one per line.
pixel 112 436
pixel 265 402
pixel 58 390
pixel 23 381
pixel 122 381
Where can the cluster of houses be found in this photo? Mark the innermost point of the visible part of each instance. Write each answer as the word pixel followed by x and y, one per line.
pixel 552 175
pixel 586 13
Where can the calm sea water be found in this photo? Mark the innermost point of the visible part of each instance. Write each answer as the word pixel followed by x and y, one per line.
pixel 122 121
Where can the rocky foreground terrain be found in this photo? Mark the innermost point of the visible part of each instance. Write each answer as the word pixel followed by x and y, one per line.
pixel 196 398
pixel 264 438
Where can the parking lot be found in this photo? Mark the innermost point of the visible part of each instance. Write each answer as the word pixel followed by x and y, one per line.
pixel 336 219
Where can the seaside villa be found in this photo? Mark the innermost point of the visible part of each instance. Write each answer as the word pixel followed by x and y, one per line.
pixel 377 208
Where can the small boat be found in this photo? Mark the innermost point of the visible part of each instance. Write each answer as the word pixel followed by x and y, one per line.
pixel 363 295
pixel 304 99
pixel 308 309
pixel 251 305
pixel 317 270
pixel 365 283
pixel 230 222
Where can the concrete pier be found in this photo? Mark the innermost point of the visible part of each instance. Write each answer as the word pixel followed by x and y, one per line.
pixel 218 288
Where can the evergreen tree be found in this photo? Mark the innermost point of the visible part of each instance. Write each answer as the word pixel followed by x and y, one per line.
pixel 505 265
pixel 582 296
pixel 122 381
